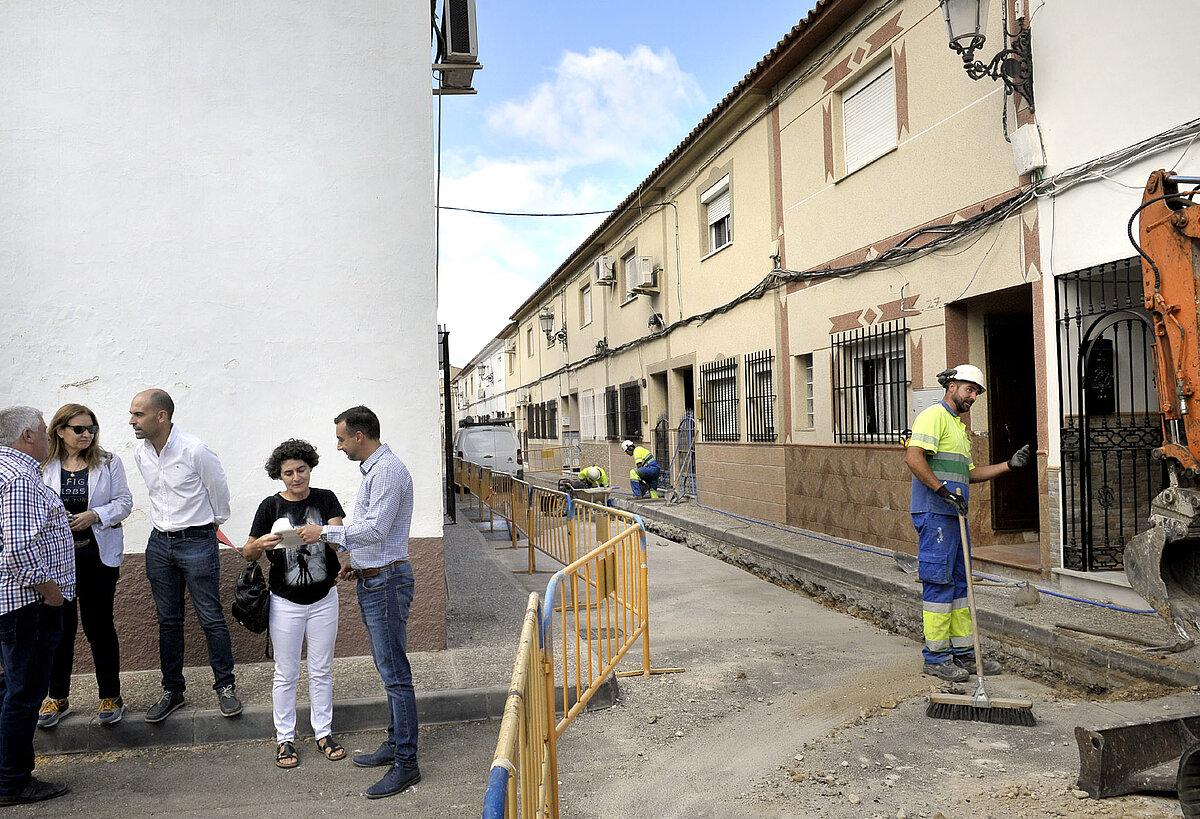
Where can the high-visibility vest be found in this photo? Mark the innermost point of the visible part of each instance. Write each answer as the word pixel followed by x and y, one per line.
pixel 642 456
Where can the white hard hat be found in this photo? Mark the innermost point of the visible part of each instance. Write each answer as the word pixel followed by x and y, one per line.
pixel 627 445
pixel 963 372
pixel 592 473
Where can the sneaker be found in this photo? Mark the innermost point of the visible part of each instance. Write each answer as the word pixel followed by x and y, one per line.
pixel 397 779
pixel 35 790
pixel 52 711
pixel 948 671
pixel 111 710
pixel 384 755
pixel 170 702
pixel 231 706
pixel 990 667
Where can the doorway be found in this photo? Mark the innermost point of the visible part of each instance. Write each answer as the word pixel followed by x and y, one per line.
pixel 1012 417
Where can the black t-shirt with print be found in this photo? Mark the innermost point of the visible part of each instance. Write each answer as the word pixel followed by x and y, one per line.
pixel 306 574
pixel 74 494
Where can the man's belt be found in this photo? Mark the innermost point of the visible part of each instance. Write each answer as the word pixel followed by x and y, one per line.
pixel 375 571
pixel 190 531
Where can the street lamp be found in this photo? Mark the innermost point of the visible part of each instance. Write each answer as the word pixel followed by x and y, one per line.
pixel 546 322
pixel 966 23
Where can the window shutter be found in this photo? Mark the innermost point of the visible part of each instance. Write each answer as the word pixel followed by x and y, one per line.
pixel 869 117
pixel 718 208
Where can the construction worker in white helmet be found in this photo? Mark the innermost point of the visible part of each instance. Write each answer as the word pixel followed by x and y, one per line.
pixel 939 457
pixel 594 476
pixel 643 478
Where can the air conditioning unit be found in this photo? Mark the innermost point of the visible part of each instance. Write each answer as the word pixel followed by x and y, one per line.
pixel 511 347
pixel 482 393
pixel 604 273
pixel 459 43
pixel 641 275
pixel 523 399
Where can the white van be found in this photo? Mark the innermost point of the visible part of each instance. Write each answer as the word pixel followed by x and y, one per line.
pixel 492 445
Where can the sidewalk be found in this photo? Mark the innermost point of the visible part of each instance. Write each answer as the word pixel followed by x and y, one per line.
pixel 868 583
pixel 468 681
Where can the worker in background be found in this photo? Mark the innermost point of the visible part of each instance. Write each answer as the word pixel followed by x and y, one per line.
pixel 939 456
pixel 643 478
pixel 594 477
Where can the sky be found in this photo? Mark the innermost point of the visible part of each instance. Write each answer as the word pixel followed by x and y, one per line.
pixel 577 103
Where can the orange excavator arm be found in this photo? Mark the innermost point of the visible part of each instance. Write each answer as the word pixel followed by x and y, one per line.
pixel 1169 243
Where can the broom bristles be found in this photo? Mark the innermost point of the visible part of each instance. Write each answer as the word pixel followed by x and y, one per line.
pixel 996 715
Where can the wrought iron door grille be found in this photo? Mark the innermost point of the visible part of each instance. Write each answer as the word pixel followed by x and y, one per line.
pixel 870 383
pixel 1110 422
pixel 612 413
pixel 631 410
pixel 551 419
pixel 719 400
pixel 760 396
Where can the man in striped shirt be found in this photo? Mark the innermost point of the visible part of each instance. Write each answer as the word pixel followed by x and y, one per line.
pixel 37 575
pixel 939 457
pixel 377 544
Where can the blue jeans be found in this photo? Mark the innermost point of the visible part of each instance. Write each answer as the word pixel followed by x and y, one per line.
pixel 28 637
pixel 384 600
pixel 644 479
pixel 173 563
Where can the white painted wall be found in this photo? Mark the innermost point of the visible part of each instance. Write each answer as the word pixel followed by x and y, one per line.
pixel 1108 74
pixel 232 201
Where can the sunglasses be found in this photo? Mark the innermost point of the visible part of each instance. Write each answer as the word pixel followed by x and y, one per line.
pixel 92 428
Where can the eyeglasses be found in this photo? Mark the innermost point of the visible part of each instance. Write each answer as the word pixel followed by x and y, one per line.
pixel 93 428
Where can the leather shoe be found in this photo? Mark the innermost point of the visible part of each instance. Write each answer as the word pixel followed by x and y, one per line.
pixel 397 779
pixel 36 790
pixel 384 755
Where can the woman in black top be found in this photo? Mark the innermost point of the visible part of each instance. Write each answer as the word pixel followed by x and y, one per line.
pixel 304 597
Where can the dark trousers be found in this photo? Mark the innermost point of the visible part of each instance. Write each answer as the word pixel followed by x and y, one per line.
pixel 28 637
pixel 176 563
pixel 95 590
pixel 384 601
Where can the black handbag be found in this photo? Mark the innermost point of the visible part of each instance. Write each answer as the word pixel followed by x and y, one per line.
pixel 251 599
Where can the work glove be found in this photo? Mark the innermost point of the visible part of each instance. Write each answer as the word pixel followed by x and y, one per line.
pixel 1020 458
pixel 957 501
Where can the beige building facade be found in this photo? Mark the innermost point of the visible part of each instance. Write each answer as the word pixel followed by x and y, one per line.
pixel 768 310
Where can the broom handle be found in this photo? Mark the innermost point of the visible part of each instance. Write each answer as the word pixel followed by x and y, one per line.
pixel 962 532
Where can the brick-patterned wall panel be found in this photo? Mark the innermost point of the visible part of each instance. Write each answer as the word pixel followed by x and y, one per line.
pixel 745 479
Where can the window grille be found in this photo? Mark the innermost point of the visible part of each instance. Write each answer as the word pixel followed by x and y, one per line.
pixel 552 418
pixel 870 389
pixel 530 430
pixel 631 410
pixel 612 413
pixel 760 396
pixel 719 400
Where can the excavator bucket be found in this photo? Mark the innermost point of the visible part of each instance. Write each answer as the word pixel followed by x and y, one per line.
pixel 1166 573
pixel 1141 758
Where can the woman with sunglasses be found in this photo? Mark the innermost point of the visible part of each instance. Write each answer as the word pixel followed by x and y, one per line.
pixel 92 485
pixel 304 597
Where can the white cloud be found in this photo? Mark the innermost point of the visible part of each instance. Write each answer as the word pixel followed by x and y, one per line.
pixel 603 105
pixel 591 133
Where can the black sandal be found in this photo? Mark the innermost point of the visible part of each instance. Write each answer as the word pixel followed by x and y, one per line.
pixel 328 746
pixel 285 755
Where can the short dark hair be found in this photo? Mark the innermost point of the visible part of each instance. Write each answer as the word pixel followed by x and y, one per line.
pixel 160 400
pixel 291 449
pixel 360 419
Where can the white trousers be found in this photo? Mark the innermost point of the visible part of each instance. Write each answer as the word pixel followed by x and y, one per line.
pixel 291 623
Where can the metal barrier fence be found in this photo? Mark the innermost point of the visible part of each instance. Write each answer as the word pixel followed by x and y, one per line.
pixel 524 774
pixel 553 458
pixel 604 611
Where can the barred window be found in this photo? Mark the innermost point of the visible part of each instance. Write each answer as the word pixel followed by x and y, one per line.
pixel 760 396
pixel 530 430
pixel 631 410
pixel 552 418
pixel 612 413
pixel 719 400
pixel 870 391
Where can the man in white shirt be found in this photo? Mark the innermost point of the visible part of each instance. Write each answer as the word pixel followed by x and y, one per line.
pixel 189 499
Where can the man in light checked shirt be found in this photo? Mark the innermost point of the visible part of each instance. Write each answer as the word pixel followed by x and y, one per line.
pixel 37 575
pixel 377 542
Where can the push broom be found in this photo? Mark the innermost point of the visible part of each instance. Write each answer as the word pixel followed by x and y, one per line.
pixel 977 707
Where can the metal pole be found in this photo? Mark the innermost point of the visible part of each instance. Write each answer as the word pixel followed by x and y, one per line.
pixel 448 422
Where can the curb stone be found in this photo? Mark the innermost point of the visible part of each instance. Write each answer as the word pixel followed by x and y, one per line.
pixel 189 726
